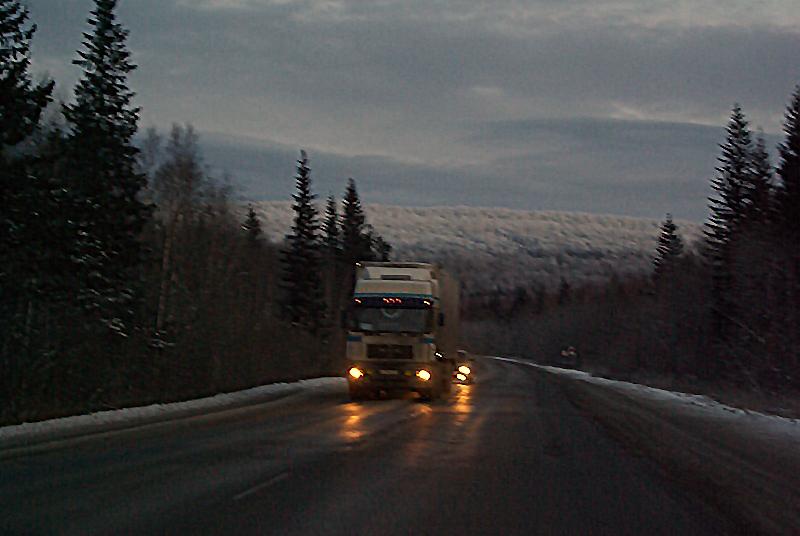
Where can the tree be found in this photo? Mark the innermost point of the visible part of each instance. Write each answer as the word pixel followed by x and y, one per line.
pixel 788 193
pixel 25 202
pixel 22 196
pixel 106 211
pixel 728 207
pixel 22 102
pixel 330 229
pixel 354 242
pixel 252 227
pixel 788 231
pixel 668 251
pixel 383 249
pixel 303 302
pixel 758 194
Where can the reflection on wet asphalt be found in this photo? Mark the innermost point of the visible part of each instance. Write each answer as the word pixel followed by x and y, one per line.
pixel 506 455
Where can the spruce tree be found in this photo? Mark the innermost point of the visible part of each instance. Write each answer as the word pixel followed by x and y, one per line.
pixel 22 196
pixel 728 207
pixel 21 106
pixel 788 192
pixel 668 251
pixel 383 250
pixel 788 227
pixel 107 213
pixel 354 242
pixel 758 195
pixel 252 227
pixel 21 102
pixel 303 302
pixel 24 201
pixel 330 229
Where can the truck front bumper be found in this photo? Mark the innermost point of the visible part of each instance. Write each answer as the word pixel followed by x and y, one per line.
pixel 390 376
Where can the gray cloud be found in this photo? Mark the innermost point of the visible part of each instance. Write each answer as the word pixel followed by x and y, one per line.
pixel 591 165
pixel 606 106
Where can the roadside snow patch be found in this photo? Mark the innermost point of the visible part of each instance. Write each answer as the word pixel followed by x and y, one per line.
pixel 765 426
pixel 30 432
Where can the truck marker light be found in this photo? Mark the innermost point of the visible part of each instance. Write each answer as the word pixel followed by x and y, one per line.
pixel 423 375
pixel 357 300
pixel 461 377
pixel 355 373
pixel 463 369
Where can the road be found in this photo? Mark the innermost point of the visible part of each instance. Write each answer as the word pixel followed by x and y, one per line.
pixel 507 455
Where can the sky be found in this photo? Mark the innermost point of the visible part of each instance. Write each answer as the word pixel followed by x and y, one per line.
pixel 603 106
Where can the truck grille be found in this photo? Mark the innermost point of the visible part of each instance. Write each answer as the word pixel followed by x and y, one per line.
pixel 389 351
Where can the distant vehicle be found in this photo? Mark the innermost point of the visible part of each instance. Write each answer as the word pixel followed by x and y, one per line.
pixel 403 329
pixel 465 368
pixel 569 358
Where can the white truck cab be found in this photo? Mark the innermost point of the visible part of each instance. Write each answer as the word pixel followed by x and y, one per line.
pixel 403 329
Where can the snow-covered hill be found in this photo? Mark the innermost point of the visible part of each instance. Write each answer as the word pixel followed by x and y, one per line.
pixel 497 247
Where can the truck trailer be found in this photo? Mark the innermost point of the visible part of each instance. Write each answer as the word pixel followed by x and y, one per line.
pixel 403 329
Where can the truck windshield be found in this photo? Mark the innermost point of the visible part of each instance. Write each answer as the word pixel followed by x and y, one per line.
pixel 393 320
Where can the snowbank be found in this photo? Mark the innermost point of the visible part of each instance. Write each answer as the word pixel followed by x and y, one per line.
pixel 29 433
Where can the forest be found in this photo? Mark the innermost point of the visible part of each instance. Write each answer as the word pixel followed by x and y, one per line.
pixel 132 275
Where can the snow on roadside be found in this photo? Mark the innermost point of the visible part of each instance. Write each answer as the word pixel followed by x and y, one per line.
pixel 128 417
pixel 765 426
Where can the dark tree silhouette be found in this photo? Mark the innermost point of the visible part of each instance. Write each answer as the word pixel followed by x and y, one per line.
pixel 728 206
pixel 107 212
pixel 668 251
pixel 355 244
pixel 331 229
pixel 252 227
pixel 303 302
pixel 788 193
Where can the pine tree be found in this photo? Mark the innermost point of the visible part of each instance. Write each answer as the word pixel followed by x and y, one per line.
pixel 788 230
pixel 668 251
pixel 731 184
pixel 252 227
pixel 24 196
pixel 303 302
pixel 383 249
pixel 788 192
pixel 330 229
pixel 22 102
pixel 354 242
pixel 758 194
pixel 105 185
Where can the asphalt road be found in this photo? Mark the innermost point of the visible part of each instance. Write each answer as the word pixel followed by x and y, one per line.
pixel 507 455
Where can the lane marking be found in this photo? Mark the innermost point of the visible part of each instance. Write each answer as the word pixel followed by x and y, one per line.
pixel 274 480
pixel 512 360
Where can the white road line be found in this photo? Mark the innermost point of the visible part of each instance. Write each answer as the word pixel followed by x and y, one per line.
pixel 512 360
pixel 274 480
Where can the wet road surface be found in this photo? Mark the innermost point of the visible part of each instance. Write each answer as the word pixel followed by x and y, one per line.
pixel 507 455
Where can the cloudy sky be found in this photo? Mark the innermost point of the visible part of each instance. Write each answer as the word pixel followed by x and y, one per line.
pixel 606 106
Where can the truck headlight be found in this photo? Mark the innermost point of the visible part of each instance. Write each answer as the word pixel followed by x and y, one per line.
pixel 355 373
pixel 465 370
pixel 423 375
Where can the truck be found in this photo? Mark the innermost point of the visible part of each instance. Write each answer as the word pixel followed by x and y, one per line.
pixel 403 329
